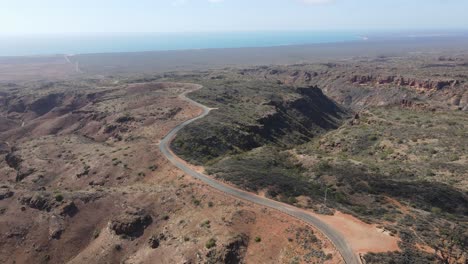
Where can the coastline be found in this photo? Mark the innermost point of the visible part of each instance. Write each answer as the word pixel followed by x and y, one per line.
pixel 158 62
pixel 94 43
pixel 202 59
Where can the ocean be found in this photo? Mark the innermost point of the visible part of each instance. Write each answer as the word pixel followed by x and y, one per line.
pixel 26 45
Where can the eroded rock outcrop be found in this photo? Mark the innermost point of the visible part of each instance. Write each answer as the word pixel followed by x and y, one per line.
pixel 232 252
pixel 4 148
pixel 68 208
pixel 362 79
pixel 5 193
pixel 38 201
pixel 155 240
pixel 419 84
pixel 56 227
pixel 15 161
pixel 131 223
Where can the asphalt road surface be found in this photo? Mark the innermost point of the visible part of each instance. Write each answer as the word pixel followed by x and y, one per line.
pixel 336 238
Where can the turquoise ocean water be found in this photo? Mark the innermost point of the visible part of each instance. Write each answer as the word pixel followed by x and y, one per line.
pixel 135 42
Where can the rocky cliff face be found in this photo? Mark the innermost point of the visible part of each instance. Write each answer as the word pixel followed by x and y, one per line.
pixel 400 81
pixel 292 118
pixel 379 82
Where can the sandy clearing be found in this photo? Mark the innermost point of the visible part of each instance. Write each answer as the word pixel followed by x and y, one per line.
pixel 362 237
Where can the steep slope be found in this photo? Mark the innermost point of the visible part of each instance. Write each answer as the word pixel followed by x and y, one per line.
pixel 252 114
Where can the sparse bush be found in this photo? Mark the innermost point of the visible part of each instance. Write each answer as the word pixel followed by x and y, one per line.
pixel 58 197
pixel 436 210
pixel 323 166
pixel 210 243
pixel 206 224
pixel 118 247
pixel 96 234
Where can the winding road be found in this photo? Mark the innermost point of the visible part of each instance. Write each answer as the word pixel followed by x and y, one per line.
pixel 336 238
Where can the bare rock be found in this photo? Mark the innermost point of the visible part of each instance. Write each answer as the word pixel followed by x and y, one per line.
pixel 423 85
pixel 5 193
pixel 67 209
pixel 155 241
pixel 362 79
pixel 17 232
pixel 131 223
pixel 13 160
pixel 23 173
pixel 55 227
pixel 4 148
pixel 233 252
pixel 124 119
pixel 386 80
pixel 38 201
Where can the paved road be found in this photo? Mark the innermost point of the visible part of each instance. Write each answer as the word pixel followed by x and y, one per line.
pixel 336 238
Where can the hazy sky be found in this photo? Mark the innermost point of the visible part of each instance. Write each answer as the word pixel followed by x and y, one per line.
pixel 59 16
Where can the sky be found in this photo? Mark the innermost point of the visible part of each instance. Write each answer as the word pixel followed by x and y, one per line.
pixel 86 16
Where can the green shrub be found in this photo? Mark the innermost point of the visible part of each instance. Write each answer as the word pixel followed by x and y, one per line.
pixel 58 197
pixel 210 243
pixel 436 210
pixel 323 166
pixel 206 224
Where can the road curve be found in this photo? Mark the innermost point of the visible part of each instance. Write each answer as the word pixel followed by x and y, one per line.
pixel 336 238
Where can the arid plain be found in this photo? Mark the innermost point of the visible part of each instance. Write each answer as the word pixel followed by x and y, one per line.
pixel 382 137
